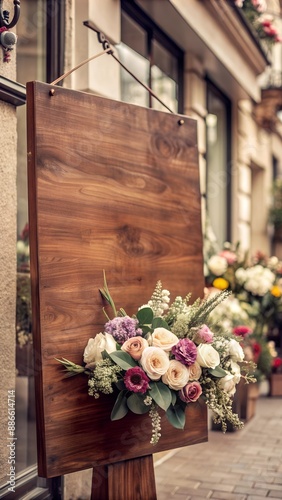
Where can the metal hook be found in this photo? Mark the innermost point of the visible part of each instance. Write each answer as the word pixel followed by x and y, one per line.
pixel 5 14
pixel 106 44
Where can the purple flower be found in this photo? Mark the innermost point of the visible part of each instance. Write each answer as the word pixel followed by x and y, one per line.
pixel 191 392
pixel 123 328
pixel 136 380
pixel 185 351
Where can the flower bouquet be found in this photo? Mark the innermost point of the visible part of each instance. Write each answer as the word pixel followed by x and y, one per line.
pixel 221 267
pixel 163 358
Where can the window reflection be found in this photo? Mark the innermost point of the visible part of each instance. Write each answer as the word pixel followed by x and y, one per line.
pixel 31 59
pixel 144 51
pixel 218 163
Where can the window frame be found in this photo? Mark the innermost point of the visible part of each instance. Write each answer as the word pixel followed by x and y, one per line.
pixel 154 32
pixel 27 480
pixel 212 87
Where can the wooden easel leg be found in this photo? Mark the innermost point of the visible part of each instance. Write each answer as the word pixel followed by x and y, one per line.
pixel 129 480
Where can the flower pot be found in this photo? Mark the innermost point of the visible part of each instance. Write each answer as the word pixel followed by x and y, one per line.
pixel 248 395
pixel 275 384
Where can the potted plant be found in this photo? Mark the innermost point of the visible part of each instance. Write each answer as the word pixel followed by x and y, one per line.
pixel 275 379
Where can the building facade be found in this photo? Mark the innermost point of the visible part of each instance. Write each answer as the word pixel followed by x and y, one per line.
pixel 202 59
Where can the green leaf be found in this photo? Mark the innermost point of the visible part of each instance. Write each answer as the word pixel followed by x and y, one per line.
pixel 217 372
pixel 161 394
pixel 145 316
pixel 135 403
pixel 146 329
pixel 120 385
pixel 173 397
pixel 120 408
pixel 176 416
pixel 122 359
pixel 159 323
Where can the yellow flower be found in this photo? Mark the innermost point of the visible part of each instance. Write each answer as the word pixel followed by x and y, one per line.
pixel 220 283
pixel 275 291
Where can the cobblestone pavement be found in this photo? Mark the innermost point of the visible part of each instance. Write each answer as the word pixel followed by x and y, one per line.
pixel 242 465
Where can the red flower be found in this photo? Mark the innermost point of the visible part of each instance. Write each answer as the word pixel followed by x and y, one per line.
pixel 276 363
pixel 242 330
pixel 136 380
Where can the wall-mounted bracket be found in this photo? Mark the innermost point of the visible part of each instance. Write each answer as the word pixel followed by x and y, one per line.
pixel 5 15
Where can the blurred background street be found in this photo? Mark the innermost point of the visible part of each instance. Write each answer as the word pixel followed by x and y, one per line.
pixel 240 465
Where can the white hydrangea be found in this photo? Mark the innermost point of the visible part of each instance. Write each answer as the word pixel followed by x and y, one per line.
pixel 259 280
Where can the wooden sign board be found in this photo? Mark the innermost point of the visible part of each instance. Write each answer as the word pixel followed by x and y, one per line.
pixel 112 186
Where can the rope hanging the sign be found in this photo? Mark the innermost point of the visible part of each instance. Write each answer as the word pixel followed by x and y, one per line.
pixel 109 50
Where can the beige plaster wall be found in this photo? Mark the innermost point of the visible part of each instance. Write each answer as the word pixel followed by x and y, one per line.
pixel 8 148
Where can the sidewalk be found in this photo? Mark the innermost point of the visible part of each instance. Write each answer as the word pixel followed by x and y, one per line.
pixel 242 465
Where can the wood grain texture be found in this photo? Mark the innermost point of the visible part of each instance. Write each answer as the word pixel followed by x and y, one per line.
pixel 128 480
pixel 111 186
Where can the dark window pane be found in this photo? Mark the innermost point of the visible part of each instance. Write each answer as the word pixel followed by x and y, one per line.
pixel 218 163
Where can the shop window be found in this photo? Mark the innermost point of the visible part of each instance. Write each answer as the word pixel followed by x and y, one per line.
pixel 153 58
pixel 40 33
pixel 218 132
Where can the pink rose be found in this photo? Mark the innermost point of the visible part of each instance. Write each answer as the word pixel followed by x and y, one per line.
pixel 231 257
pixel 135 346
pixel 191 392
pixel 203 336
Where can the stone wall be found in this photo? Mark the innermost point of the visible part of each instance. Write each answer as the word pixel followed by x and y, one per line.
pixel 8 207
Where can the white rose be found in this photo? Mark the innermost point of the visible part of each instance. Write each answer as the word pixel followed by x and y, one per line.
pixel 95 347
pixel 217 265
pixel 177 375
pixel 272 262
pixel 240 275
pixel 236 371
pixel 207 356
pixel 195 371
pixel 228 384
pixel 164 339
pixel 155 362
pixel 20 247
pixel 235 350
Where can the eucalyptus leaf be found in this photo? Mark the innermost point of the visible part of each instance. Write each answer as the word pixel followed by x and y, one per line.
pixel 120 385
pixel 217 372
pixel 159 323
pixel 176 416
pixel 120 408
pixel 145 316
pixel 135 403
pixel 173 398
pixel 146 329
pixel 123 359
pixel 160 394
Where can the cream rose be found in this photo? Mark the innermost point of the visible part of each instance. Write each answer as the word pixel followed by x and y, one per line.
pixel 228 384
pixel 195 371
pixel 155 362
pixel 95 347
pixel 235 350
pixel 217 265
pixel 164 339
pixel 207 356
pixel 177 375
pixel 135 346
pixel 236 372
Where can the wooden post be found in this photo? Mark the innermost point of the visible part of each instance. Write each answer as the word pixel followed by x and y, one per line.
pixel 128 480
